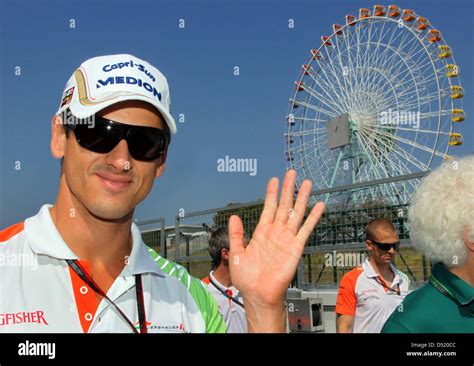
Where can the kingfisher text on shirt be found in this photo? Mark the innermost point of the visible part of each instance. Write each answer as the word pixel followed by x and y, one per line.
pixel 23 317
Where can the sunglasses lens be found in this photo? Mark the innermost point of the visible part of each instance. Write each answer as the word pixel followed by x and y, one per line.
pixel 100 139
pixel 146 143
pixel 387 247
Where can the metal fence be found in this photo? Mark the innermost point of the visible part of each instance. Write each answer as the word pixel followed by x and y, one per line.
pixel 153 234
pixel 335 247
pixel 321 267
pixel 337 244
pixel 193 230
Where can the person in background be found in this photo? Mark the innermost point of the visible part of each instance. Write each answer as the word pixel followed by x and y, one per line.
pixel 369 293
pixel 219 282
pixel 441 220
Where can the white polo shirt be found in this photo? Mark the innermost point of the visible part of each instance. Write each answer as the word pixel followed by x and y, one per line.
pixel 40 293
pixel 233 314
pixel 363 296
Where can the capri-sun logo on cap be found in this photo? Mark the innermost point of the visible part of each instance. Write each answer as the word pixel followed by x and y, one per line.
pixel 130 80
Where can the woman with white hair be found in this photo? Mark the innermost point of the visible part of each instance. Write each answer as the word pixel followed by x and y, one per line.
pixel 441 218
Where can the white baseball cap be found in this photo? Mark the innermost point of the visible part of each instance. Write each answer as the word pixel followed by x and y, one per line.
pixel 105 80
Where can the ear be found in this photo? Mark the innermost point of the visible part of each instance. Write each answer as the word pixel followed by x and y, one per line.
pixel 162 164
pixel 160 169
pixel 369 245
pixel 225 253
pixel 58 137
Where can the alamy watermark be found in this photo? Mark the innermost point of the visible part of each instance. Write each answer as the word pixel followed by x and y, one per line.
pixel 18 260
pixel 28 348
pixel 70 119
pixel 400 118
pixel 237 165
pixel 344 259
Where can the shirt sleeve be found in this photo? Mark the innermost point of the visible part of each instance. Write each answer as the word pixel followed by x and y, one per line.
pixel 199 291
pixel 208 306
pixel 346 296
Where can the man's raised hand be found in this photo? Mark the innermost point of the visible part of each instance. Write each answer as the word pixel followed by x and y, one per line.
pixel 263 270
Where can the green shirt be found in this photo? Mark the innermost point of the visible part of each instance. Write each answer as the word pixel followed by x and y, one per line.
pixel 443 305
pixel 205 301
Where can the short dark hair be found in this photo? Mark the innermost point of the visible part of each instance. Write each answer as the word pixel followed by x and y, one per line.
pixel 219 240
pixel 378 223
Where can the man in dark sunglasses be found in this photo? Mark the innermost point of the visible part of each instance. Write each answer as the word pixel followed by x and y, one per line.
pixel 93 271
pixel 102 135
pixel 370 293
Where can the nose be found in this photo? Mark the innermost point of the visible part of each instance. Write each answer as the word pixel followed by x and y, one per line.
pixel 391 250
pixel 120 157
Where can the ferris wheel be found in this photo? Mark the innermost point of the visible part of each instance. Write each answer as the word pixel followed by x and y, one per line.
pixel 380 98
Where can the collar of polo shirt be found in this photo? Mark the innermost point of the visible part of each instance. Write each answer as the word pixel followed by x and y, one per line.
pixel 370 272
pixel 44 239
pixel 234 290
pixel 459 289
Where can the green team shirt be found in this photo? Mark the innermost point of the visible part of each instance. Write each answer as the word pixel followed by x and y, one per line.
pixel 443 305
pixel 198 290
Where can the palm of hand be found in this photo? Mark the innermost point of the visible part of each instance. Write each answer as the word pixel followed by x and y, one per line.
pixel 263 270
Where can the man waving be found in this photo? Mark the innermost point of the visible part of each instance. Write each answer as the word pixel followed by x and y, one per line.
pixel 90 270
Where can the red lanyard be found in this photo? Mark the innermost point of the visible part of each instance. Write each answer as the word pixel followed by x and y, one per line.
pixel 231 298
pixel 384 285
pixel 77 268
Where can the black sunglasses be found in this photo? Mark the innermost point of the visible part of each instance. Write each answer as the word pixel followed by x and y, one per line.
pixel 144 143
pixel 386 246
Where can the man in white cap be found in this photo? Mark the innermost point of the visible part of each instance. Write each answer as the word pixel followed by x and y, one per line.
pixel 90 270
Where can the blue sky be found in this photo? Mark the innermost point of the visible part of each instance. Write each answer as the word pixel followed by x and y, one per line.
pixel 239 116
